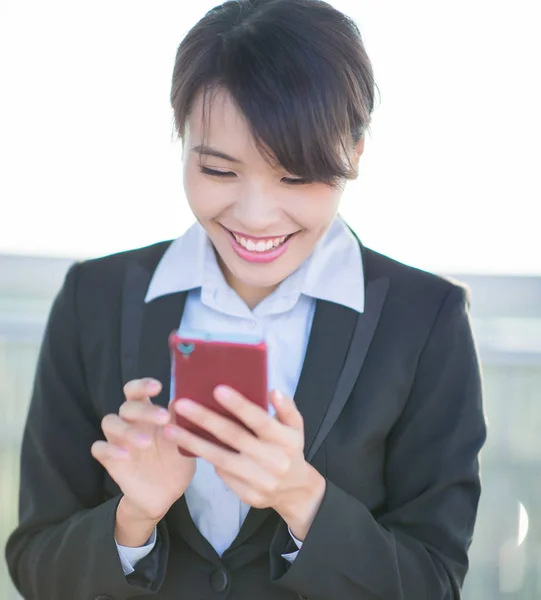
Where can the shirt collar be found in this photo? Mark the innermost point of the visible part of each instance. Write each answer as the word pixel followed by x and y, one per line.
pixel 335 269
pixel 333 272
pixel 182 265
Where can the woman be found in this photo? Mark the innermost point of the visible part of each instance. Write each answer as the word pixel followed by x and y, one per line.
pixel 363 487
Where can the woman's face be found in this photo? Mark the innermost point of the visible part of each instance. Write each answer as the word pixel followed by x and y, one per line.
pixel 262 221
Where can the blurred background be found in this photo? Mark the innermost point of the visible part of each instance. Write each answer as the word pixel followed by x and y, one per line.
pixel 449 183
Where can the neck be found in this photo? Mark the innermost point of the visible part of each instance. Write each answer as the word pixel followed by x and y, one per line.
pixel 250 295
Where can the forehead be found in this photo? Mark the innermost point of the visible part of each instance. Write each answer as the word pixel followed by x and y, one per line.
pixel 216 120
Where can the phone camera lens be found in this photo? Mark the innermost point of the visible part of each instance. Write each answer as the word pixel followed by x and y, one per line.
pixel 186 349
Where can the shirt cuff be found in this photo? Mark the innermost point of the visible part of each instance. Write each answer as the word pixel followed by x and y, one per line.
pixel 291 556
pixel 129 557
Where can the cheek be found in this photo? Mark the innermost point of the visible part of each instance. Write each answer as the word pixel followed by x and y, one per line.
pixel 318 210
pixel 205 198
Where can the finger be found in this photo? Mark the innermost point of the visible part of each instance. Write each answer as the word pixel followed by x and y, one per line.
pixel 286 410
pixel 260 474
pixel 227 431
pixel 122 434
pixel 104 452
pixel 141 390
pixel 198 446
pixel 255 491
pixel 144 413
pixel 252 415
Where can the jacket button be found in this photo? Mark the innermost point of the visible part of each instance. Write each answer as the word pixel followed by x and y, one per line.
pixel 219 580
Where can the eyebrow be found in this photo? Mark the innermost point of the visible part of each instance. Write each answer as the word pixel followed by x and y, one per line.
pixel 209 151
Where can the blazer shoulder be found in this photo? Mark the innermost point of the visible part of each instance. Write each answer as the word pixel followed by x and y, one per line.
pixel 411 283
pixel 109 270
pixel 97 283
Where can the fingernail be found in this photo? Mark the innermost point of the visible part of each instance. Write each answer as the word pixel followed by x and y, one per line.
pixel 143 439
pixel 222 392
pixel 153 385
pixel 186 405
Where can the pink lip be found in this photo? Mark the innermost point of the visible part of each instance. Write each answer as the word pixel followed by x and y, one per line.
pixel 258 257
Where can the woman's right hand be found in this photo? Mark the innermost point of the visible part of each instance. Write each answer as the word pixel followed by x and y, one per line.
pixel 149 469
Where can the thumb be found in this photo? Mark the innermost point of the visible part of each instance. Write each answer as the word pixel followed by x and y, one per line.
pixel 286 410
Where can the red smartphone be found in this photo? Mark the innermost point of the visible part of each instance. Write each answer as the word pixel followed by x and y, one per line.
pixel 202 361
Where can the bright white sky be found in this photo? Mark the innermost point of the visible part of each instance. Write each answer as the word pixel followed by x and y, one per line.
pixel 451 174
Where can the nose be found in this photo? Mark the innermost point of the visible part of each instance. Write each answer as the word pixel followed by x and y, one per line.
pixel 256 208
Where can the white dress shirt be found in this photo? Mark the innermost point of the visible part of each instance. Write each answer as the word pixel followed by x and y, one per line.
pixel 333 272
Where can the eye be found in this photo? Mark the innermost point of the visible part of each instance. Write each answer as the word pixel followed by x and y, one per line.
pixel 215 173
pixel 296 181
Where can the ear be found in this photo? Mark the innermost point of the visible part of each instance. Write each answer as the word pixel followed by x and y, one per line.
pixel 357 153
pixel 359 149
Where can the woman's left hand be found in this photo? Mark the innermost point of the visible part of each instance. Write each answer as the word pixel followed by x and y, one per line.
pixel 269 469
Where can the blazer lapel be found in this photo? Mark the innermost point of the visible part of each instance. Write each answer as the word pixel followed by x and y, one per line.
pixel 337 347
pixel 326 353
pixel 160 318
pixel 362 334
pixel 157 320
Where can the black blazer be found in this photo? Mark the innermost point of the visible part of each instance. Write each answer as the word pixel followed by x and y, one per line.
pixel 391 400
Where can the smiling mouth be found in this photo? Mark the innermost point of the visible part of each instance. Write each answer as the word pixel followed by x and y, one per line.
pixel 253 244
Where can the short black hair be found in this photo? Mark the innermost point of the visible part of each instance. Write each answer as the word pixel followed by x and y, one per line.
pixel 296 69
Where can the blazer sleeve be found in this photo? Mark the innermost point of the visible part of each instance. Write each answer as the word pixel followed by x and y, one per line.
pixel 64 547
pixel 417 549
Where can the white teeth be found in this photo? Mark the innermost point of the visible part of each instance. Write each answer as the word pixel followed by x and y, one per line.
pixel 262 245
